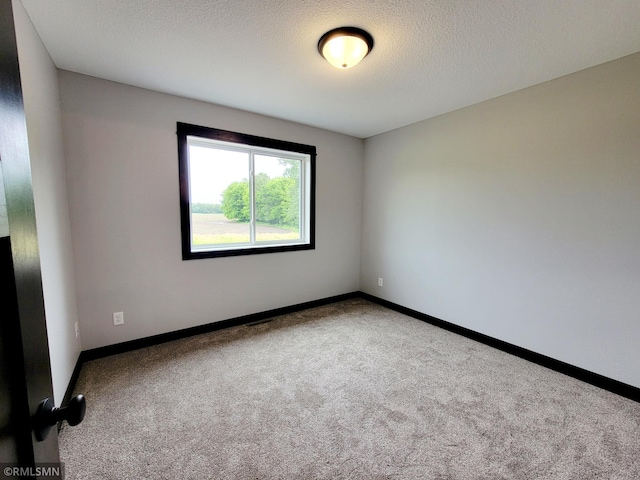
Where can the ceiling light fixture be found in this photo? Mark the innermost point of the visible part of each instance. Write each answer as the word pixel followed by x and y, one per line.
pixel 344 47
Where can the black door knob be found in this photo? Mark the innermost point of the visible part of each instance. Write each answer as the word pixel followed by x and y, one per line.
pixel 48 415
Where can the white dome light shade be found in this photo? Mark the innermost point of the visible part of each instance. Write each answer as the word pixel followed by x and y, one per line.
pixel 344 47
pixel 345 52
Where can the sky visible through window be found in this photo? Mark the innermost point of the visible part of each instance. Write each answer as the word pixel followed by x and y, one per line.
pixel 212 170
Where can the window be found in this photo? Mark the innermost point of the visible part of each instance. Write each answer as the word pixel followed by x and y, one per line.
pixel 241 194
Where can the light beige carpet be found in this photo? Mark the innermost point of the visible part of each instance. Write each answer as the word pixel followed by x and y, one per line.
pixel 347 391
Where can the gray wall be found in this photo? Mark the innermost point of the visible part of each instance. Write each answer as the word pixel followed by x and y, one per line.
pixel 519 218
pixel 44 127
pixel 122 164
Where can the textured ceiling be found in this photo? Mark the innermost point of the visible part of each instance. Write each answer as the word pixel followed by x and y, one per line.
pixel 430 56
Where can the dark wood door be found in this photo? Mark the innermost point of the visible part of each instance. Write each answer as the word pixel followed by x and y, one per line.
pixel 25 375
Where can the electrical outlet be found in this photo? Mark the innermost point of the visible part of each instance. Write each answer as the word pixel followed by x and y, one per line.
pixel 77 329
pixel 380 282
pixel 118 318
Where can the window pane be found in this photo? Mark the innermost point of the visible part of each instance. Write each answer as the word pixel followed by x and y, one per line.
pixel 244 195
pixel 220 211
pixel 277 188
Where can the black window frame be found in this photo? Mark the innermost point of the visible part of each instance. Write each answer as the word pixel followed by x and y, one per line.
pixel 185 130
